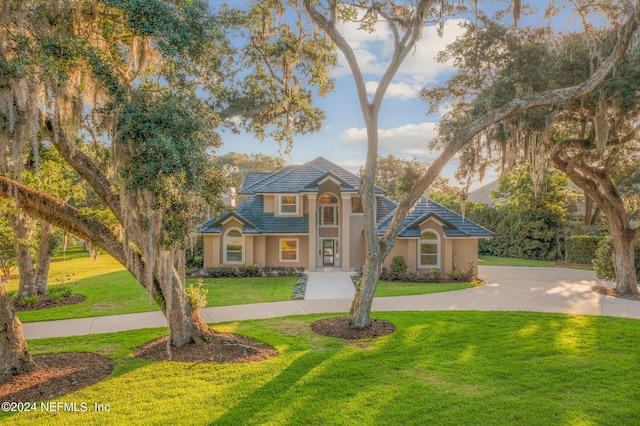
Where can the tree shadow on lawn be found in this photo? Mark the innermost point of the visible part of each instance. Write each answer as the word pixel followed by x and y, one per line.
pixel 252 406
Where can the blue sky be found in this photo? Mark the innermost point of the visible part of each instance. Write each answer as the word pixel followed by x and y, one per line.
pixel 405 129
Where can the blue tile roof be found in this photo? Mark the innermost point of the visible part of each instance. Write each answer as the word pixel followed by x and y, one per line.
pixel 251 213
pixel 454 224
pixel 305 178
pixel 302 178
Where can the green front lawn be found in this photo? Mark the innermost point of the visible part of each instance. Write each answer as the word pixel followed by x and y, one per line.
pixel 455 368
pixel 392 288
pixel 112 290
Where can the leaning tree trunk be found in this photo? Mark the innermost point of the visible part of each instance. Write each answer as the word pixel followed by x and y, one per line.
pixel 14 356
pixel 186 326
pixel 624 265
pixel 23 255
pixel 44 257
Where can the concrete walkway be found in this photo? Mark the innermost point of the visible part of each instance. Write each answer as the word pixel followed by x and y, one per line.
pixel 329 285
pixel 507 289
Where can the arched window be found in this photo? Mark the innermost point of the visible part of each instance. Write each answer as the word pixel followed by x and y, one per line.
pixel 429 250
pixel 233 246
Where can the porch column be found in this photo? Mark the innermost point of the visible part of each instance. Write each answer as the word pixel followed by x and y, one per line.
pixel 345 233
pixel 313 231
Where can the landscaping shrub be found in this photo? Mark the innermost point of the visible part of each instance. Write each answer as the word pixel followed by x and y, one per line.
pixel 58 292
pixel 603 262
pixel 197 295
pixel 398 264
pixel 284 271
pixel 249 271
pixel 433 276
pixel 222 271
pixel 460 275
pixel 581 248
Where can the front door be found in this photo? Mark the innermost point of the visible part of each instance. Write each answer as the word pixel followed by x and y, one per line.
pixel 328 252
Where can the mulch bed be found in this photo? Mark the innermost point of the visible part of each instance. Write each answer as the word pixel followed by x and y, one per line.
pixel 44 302
pixel 339 327
pixel 220 348
pixel 57 375
pixel 609 291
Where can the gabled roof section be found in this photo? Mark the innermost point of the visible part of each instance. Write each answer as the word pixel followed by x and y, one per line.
pixel 301 178
pixel 344 185
pixel 251 213
pixel 454 225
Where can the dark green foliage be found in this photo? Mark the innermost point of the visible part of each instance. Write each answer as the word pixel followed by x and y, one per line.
pixel 195 254
pixel 168 137
pixel 603 262
pixel 221 271
pixel 432 276
pixel 527 223
pixel 244 271
pixel 249 271
pixel 398 264
pixel 581 248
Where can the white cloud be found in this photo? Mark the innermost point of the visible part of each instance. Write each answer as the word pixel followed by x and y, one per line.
pixel 410 139
pixel 397 90
pixel 373 51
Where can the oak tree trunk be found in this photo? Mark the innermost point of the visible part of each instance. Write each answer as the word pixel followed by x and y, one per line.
pixel 20 226
pixel 44 258
pixel 624 265
pixel 14 356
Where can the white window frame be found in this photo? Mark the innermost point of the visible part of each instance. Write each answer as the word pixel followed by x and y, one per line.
pixel 297 240
pixel 224 243
pixel 335 216
pixel 297 204
pixel 361 205
pixel 422 241
pixel 336 211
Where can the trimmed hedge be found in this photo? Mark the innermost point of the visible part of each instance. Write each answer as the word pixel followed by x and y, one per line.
pixel 433 276
pixel 603 262
pixel 581 248
pixel 244 271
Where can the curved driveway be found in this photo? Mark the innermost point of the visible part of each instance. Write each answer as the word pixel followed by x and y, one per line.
pixel 507 289
pixel 536 289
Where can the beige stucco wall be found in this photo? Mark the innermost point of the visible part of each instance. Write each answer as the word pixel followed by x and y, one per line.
pixel 211 244
pixel 268 201
pixel 259 249
pixel 272 250
pixel 465 254
pixel 405 248
pixel 454 253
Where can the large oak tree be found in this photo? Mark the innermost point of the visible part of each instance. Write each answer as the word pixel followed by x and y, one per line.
pixel 130 93
pixel 590 138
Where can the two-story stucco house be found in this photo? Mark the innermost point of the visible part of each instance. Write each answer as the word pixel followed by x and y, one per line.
pixel 310 215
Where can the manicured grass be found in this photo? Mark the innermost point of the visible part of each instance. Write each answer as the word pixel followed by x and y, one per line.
pixel 457 368
pixel 118 293
pixel 240 291
pixel 390 288
pixel 510 261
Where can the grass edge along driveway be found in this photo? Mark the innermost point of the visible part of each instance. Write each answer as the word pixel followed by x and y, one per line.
pixel 463 368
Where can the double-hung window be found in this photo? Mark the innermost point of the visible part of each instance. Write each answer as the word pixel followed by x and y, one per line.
pixel 429 250
pixel 288 204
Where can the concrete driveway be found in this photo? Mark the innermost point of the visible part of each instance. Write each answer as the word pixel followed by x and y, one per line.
pixel 506 289
pixel 536 289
